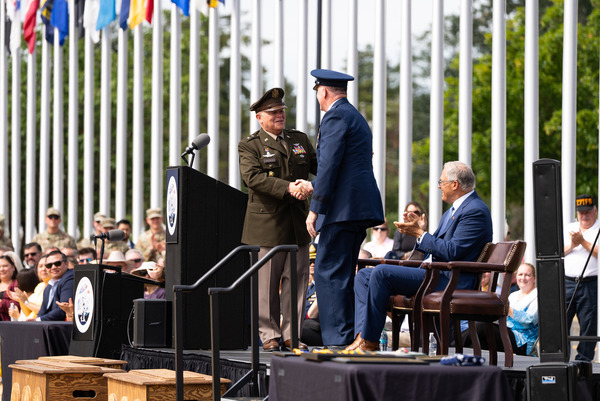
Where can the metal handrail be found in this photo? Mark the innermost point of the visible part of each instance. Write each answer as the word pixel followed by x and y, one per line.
pixel 251 273
pixel 178 310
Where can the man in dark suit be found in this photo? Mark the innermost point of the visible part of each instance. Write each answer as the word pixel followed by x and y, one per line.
pixel 59 288
pixel 463 231
pixel 274 161
pixel 346 201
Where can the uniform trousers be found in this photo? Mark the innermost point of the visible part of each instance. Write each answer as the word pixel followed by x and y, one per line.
pixel 584 305
pixel 337 255
pixel 272 304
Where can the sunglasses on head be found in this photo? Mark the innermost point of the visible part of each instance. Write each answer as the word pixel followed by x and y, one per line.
pixel 379 229
pixel 58 263
pixel 53 217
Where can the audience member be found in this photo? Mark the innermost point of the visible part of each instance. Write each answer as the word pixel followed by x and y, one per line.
pixel 522 319
pixel 87 242
pixel 116 258
pixel 86 255
pixel 578 238
pixel 135 256
pixel 125 225
pixel 27 280
pixel 403 243
pixel 380 243
pixel 274 161
pixel 152 242
pixel 118 245
pixel 8 274
pixel 4 249
pixel 34 301
pixel 53 236
pixel 32 252
pixel 311 328
pixel 463 231
pixel 346 201
pixel 4 240
pixel 153 271
pixel 60 287
pixel 67 307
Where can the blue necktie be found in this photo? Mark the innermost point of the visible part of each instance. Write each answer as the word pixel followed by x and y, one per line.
pixel 448 220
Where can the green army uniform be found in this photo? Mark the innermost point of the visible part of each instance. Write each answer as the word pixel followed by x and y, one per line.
pixel 144 245
pixel 120 246
pixel 59 240
pixel 5 241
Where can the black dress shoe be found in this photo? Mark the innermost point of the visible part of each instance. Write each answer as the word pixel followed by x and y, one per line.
pixel 271 345
pixel 287 346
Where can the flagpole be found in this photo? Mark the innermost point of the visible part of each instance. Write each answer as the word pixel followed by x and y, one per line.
pixel 235 84
pixel 58 154
pixel 156 159
pixel 88 134
pixel 73 129
pixel 16 141
pixel 44 174
pixel 213 92
pixel 105 118
pixel 194 72
pixel 121 193
pixel 138 156
pixel 175 88
pixel 30 170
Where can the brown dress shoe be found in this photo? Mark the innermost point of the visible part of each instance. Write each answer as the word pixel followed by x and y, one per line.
pixel 287 345
pixel 366 345
pixel 355 344
pixel 271 345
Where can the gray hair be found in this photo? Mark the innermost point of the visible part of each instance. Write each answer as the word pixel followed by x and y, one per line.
pixel 462 173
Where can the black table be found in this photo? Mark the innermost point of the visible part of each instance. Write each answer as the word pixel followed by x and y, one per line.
pixel 30 340
pixel 294 378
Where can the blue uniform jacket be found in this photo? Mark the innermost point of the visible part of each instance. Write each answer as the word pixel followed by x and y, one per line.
pixel 345 188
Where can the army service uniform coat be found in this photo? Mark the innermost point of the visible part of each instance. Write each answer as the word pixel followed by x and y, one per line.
pixel 274 217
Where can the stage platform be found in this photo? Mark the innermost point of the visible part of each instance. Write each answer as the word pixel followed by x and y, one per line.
pixel 234 364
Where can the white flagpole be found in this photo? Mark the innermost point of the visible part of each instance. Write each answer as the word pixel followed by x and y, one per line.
pixel 137 175
pixel 88 135
pixel 175 88
pixel 58 154
pixel 301 99
pixel 499 119
pixel 213 92
pixel 16 147
pixel 256 63
pixel 4 114
pixel 105 118
pixel 235 84
pixel 156 158
pixel 465 73
pixel 278 80
pixel 121 192
pixel 30 171
pixel 531 118
pixel 194 94
pixel 44 133
pixel 326 35
pixel 379 98
pixel 73 128
pixel 353 51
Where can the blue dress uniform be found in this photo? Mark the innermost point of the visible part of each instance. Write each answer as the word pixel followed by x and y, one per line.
pixel 347 200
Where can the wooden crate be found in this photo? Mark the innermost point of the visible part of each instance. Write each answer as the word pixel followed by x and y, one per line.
pixel 36 380
pixel 86 360
pixel 159 385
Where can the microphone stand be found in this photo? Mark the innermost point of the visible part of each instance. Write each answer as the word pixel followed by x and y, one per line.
pixel 101 251
pixel 191 163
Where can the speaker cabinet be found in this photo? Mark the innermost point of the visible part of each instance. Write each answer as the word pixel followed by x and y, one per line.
pixel 152 323
pixel 559 381
pixel 548 209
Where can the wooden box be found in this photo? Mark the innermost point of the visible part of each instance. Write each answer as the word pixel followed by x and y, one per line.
pixel 159 385
pixel 36 380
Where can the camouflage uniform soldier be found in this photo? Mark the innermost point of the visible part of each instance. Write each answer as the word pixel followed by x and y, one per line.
pixel 108 224
pixel 4 240
pixel 152 243
pixel 53 236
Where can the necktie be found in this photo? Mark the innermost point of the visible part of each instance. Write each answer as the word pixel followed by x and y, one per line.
pixel 283 142
pixel 448 220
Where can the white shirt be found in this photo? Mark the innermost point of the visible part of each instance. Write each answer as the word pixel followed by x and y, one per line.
pixel 575 260
pixel 379 250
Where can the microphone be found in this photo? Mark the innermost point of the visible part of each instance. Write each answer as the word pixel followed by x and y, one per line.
pixel 111 235
pixel 198 143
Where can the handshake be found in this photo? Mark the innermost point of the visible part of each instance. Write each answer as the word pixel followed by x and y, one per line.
pixel 300 189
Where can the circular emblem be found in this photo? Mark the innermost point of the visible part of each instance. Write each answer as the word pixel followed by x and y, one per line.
pixel 172 205
pixel 84 305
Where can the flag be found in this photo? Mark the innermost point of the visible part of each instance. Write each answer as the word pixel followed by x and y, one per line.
pixel 13 12
pixel 90 17
pixel 214 3
pixel 46 12
pixel 106 14
pixel 124 14
pixel 137 13
pixel 29 24
pixel 149 10
pixel 184 5
pixel 60 19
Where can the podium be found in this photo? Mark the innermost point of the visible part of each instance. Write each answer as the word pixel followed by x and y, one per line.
pixel 103 301
pixel 205 218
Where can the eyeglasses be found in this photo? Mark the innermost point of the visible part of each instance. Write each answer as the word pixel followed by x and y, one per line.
pixel 379 229
pixel 32 254
pixel 137 260
pixel 53 217
pixel 85 260
pixel 440 182
pixel 58 263
pixel 417 212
